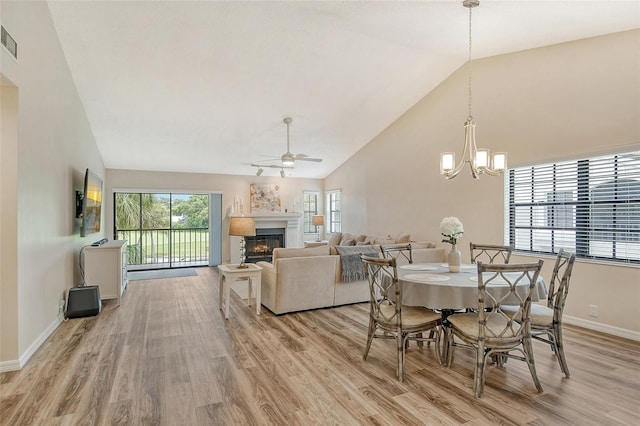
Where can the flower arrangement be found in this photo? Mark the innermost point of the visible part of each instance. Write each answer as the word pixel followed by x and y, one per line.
pixel 451 228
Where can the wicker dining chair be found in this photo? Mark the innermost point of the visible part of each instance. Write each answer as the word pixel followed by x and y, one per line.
pixel 389 318
pixel 546 321
pixel 494 333
pixel 490 253
pixel 398 251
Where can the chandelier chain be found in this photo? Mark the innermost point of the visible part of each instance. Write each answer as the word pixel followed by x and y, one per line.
pixel 469 64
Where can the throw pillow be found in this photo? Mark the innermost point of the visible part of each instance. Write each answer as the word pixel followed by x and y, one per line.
pixel 370 240
pixel 335 238
pixel 346 239
pixel 403 238
pixel 349 242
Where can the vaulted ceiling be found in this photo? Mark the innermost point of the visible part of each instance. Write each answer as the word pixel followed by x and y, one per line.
pixel 204 86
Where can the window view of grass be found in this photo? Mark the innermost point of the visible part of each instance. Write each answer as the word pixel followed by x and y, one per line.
pixel 164 229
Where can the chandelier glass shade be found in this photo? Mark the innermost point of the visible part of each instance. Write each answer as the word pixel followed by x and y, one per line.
pixel 479 160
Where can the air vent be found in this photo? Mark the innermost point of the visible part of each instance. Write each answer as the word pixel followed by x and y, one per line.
pixel 9 43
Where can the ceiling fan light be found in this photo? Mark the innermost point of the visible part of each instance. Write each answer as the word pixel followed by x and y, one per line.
pixel 288 159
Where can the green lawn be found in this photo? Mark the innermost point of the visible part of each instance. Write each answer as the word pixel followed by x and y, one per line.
pixel 156 246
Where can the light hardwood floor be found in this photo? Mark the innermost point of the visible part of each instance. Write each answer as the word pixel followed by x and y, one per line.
pixel 166 356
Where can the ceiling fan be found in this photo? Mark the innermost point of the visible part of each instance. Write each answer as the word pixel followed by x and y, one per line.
pixel 288 158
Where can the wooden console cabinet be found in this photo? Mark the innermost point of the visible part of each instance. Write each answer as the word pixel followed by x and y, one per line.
pixel 106 267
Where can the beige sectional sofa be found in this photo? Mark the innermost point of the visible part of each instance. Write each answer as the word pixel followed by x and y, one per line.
pixel 299 279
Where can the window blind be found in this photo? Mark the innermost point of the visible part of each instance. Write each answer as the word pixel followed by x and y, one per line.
pixel 589 206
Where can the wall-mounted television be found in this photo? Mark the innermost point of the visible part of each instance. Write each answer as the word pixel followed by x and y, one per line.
pixel 89 208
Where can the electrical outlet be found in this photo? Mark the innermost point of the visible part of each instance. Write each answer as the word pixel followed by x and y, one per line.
pixel 593 311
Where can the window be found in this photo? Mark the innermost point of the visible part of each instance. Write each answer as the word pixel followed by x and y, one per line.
pixel 334 204
pixel 589 206
pixel 309 209
pixel 163 230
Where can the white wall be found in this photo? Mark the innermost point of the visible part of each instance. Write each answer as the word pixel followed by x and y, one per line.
pixel 229 186
pixel 8 221
pixel 54 146
pixel 561 101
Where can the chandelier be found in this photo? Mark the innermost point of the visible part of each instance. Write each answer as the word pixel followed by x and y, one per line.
pixel 478 159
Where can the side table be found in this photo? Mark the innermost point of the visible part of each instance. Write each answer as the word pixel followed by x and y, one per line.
pixel 229 274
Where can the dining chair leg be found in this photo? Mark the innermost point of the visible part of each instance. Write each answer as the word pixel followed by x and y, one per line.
pixel 478 374
pixel 400 343
pixel 438 336
pixel 557 337
pixel 372 330
pixel 432 334
pixel 448 347
pixel 528 353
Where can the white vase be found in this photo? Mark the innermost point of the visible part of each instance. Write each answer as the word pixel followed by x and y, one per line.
pixel 454 259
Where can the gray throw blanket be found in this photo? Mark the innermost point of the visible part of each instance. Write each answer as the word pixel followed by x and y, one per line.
pixel 352 266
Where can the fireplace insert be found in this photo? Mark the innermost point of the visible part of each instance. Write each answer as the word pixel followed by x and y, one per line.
pixel 260 248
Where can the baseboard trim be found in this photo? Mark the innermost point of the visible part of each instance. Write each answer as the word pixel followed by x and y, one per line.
pixel 11 365
pixel 17 364
pixel 603 328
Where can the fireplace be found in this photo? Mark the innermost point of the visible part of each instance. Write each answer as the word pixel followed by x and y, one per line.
pixel 260 247
pixel 289 223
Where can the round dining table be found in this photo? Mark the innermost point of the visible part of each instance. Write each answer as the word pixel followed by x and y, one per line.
pixel 433 286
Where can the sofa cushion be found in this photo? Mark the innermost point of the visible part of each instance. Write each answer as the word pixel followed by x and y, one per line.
pixel 335 238
pixel 360 238
pixel 384 241
pixel 282 253
pixel 422 244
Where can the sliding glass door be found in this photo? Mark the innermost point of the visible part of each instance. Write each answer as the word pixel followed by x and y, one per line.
pixel 163 230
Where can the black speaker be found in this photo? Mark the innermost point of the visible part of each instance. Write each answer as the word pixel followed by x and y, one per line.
pixel 83 302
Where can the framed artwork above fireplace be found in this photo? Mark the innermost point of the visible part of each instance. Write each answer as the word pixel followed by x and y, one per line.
pixel 265 198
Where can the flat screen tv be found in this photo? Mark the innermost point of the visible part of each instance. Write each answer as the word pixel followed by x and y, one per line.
pixel 91 204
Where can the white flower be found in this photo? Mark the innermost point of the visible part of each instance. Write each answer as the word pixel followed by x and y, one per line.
pixel 451 227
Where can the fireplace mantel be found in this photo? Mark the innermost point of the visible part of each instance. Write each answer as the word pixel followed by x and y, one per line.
pixel 291 222
pixel 281 216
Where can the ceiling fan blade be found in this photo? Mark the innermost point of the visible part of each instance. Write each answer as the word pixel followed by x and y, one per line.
pixel 304 157
pixel 271 166
pixel 269 160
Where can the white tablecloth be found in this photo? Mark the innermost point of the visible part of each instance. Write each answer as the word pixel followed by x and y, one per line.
pixel 433 286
